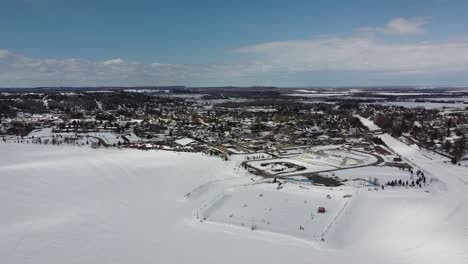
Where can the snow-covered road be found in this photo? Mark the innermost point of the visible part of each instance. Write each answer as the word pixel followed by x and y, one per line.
pixel 456 177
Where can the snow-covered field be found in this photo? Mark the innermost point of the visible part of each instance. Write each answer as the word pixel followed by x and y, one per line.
pixel 65 204
pixel 291 210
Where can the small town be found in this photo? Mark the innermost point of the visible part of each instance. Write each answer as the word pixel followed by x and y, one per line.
pixel 174 120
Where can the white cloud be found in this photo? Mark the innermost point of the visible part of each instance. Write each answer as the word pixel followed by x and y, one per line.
pixel 400 26
pixel 17 70
pixel 362 54
pixel 4 54
pixel 113 61
pixel 327 60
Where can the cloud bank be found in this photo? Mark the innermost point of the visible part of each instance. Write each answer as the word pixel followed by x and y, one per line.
pixel 363 54
pixel 357 59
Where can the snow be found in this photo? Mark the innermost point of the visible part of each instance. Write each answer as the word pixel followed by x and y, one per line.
pixel 305 91
pixel 447 214
pixel 322 160
pixel 99 105
pixel 235 151
pixel 108 137
pixel 384 174
pixel 368 123
pixel 427 105
pixel 272 166
pixel 184 141
pixel 291 211
pixel 401 94
pixel 68 204
pixel 316 95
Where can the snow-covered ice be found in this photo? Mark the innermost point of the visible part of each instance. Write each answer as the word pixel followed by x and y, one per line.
pixel 65 204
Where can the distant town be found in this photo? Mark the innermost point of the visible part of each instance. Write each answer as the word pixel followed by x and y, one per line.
pixel 228 120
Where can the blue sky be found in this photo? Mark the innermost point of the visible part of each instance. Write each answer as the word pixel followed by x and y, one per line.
pixel 207 42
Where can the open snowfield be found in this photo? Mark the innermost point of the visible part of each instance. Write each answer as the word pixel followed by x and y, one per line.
pixel 64 204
